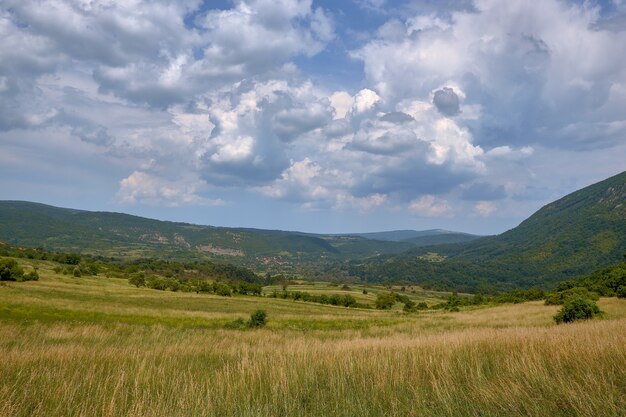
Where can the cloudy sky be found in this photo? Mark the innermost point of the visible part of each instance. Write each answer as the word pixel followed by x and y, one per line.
pixel 328 116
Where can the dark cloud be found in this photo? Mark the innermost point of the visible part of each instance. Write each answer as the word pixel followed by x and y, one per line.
pixel 412 178
pixel 390 143
pixel 292 122
pixel 97 135
pixel 482 191
pixel 397 117
pixel 446 101
pixel 337 128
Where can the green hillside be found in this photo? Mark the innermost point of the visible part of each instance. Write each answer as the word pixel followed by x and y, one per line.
pixel 123 235
pixel 441 239
pixel 572 236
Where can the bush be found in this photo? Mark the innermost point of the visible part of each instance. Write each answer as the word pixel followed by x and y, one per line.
pixel 385 301
pixel 409 306
pixel 236 324
pixel 10 270
pixel 559 298
pixel 72 259
pixel 621 292
pixel 138 280
pixel 222 289
pixel 422 306
pixel 258 319
pixel 156 283
pixel 31 276
pixel 577 308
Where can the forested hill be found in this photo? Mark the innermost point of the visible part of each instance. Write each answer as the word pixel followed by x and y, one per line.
pixel 572 236
pixel 123 235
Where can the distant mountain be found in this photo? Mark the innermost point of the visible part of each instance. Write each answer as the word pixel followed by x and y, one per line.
pixel 420 237
pixel 572 236
pixel 123 235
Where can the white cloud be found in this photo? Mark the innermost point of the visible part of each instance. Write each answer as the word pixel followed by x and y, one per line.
pixel 484 208
pixel 530 70
pixel 145 188
pixel 364 100
pixel 430 206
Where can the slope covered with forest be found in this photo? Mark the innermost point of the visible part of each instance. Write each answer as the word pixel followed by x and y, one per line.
pixel 572 236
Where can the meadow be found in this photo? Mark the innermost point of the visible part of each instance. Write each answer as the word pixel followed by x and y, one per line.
pixel 97 346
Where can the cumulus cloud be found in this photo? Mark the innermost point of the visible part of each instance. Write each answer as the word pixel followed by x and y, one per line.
pixel 430 206
pixel 143 187
pixel 484 208
pixel 460 104
pixel 531 71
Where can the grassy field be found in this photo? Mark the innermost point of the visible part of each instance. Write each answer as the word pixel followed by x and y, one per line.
pixel 95 346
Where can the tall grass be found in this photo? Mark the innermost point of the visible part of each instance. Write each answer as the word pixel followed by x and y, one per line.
pixel 500 361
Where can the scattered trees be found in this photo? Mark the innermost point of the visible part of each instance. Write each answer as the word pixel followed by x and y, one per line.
pixel 11 271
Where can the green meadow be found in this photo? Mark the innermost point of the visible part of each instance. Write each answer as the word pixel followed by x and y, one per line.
pixel 97 346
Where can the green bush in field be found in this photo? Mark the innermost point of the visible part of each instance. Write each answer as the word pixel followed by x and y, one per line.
pixel 385 301
pixel 222 289
pixel 577 308
pixel 138 280
pixel 561 297
pixel 421 306
pixel 258 319
pixel 31 276
pixel 621 292
pixel 10 270
pixel 409 305
pixel 156 283
pixel 237 324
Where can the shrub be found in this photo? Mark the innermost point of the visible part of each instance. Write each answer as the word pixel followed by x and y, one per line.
pixel 258 319
pixel 422 306
pixel 222 289
pixel 31 276
pixel 236 324
pixel 621 292
pixel 385 301
pixel 559 298
pixel 138 280
pixel 409 305
pixel 10 270
pixel 77 272
pixel 156 283
pixel 72 259
pixel 577 308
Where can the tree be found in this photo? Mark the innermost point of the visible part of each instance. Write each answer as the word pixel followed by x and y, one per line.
pixel 385 301
pixel 138 280
pixel 10 270
pixel 72 259
pixel 258 319
pixel 577 308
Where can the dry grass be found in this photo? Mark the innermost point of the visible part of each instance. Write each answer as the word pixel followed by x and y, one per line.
pixel 501 361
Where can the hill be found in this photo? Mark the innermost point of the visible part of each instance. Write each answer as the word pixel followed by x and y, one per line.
pixel 420 237
pixel 570 237
pixel 118 234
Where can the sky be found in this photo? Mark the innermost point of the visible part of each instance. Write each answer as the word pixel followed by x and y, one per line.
pixel 321 116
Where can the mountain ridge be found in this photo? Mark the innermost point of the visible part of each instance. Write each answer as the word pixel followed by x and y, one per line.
pixel 114 233
pixel 572 236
